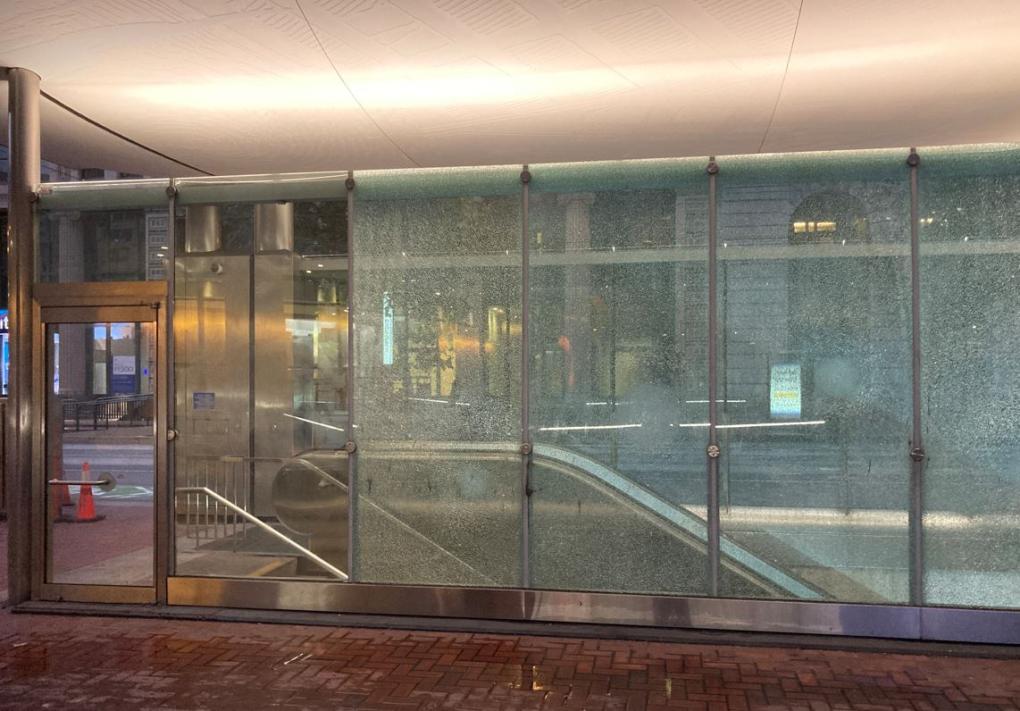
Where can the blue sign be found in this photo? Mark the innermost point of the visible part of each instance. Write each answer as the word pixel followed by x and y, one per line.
pixel 203 401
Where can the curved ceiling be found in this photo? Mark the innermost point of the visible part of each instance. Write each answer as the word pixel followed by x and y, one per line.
pixel 239 86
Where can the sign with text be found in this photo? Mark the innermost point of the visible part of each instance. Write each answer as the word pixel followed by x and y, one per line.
pixel 156 245
pixel 387 328
pixel 784 390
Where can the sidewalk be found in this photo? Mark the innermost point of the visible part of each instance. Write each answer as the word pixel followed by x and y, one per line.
pixel 86 662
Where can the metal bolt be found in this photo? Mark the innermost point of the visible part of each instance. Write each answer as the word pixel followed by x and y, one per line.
pixel 350 447
pixel 349 183
pixel 171 192
pixel 713 451
pixel 917 454
pixel 913 160
pixel 712 168
pixel 525 448
pixel 525 176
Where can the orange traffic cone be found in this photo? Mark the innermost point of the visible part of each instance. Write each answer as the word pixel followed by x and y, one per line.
pixel 86 511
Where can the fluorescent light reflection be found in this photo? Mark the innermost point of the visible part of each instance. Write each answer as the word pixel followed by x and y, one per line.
pixel 313 422
pixel 705 402
pixel 798 423
pixel 439 402
pixel 581 428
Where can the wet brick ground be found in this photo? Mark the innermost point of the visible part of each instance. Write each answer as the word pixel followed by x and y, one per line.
pixel 49 661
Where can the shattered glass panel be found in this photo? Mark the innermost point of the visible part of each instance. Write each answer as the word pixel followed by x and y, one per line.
pixel 814 358
pixel 618 376
pixel 437 283
pixel 970 326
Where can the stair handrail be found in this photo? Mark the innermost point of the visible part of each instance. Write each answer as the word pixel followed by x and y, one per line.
pixel 332 569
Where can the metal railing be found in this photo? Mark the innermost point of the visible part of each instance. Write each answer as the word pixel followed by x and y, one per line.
pixel 100 413
pixel 204 519
pixel 250 518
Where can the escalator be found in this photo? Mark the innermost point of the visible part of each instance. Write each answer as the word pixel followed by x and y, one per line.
pixel 456 521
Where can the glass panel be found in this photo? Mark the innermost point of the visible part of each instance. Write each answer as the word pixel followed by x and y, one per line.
pixel 261 329
pixel 970 325
pixel 102 245
pixel 618 373
pixel 98 534
pixel 437 379
pixel 99 231
pixel 815 370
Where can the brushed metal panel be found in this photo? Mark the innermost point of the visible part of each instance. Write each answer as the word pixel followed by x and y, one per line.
pixel 953 624
pixel 552 606
pixel 273 377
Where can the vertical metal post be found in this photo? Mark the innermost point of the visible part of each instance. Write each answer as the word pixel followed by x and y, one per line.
pixel 525 388
pixel 23 141
pixel 252 324
pixel 917 455
pixel 352 479
pixel 712 451
pixel 168 502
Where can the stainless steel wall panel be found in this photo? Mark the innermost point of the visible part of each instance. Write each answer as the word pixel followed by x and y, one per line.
pixel 554 606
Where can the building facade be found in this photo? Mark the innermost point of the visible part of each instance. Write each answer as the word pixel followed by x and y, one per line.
pixel 761 393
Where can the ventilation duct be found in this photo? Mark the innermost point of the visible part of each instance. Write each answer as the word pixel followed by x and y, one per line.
pixel 202 230
pixel 274 227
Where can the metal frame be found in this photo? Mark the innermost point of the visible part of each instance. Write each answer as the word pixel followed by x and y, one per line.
pixel 352 449
pixel 713 451
pixel 89 303
pixel 525 374
pixel 917 455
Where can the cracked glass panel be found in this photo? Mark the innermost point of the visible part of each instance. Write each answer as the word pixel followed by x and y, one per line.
pixel 618 376
pixel 970 326
pixel 814 369
pixel 437 282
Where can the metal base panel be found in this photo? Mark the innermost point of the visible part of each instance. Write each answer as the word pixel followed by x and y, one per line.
pixel 545 629
pixel 515 605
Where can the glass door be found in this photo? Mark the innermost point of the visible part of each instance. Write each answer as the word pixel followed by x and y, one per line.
pixel 99 452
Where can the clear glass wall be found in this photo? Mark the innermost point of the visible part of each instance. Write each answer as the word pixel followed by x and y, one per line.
pixel 260 332
pixel 102 231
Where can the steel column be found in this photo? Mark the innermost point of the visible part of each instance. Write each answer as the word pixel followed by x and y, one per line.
pixel 525 388
pixel 168 506
pixel 23 141
pixel 712 502
pixel 917 456
pixel 352 457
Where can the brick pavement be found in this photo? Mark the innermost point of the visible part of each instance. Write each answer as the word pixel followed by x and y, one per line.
pixel 51 661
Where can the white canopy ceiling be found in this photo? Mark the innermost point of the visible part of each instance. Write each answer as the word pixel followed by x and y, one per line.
pixel 239 86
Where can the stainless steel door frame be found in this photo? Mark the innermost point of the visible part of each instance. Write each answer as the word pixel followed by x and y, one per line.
pixel 89 303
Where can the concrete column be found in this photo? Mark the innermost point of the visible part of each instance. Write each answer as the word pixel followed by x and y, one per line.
pixel 23 141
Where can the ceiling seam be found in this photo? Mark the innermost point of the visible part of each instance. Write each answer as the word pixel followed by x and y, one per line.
pixel 782 83
pixel 57 102
pixel 347 86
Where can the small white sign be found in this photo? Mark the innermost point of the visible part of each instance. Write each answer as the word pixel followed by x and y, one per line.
pixel 785 390
pixel 123 365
